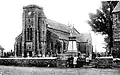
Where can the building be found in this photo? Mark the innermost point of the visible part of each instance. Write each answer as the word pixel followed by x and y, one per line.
pixel 116 27
pixel 1 51
pixel 44 37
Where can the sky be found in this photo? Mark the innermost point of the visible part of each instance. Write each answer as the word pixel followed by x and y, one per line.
pixel 63 11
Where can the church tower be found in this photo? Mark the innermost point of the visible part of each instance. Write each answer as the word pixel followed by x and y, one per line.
pixel 33 31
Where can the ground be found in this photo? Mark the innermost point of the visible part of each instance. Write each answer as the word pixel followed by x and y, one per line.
pixel 12 70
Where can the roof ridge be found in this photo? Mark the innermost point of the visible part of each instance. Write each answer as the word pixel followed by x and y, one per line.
pixel 58 22
pixel 57 25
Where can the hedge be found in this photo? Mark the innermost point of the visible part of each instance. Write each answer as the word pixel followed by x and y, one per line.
pixel 29 62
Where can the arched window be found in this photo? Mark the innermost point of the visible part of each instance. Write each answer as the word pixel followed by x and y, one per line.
pixel 29 34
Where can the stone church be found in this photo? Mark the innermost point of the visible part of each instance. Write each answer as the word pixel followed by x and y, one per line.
pixel 44 37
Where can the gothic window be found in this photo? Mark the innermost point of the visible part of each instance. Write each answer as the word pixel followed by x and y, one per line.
pixel 20 48
pixel 29 22
pixel 51 45
pixel 64 46
pixel 39 36
pixel 39 23
pixel 29 34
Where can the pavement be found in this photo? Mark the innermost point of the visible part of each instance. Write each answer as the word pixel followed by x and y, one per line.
pixel 13 70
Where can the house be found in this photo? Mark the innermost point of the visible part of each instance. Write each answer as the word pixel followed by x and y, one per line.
pixel 116 28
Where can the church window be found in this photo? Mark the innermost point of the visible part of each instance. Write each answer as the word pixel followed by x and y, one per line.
pixel 29 34
pixel 51 45
pixel 39 36
pixel 64 46
pixel 39 23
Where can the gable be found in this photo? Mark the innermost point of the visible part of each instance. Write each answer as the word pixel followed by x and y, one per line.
pixel 117 8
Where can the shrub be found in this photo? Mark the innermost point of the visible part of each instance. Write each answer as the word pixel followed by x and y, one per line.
pixel 28 62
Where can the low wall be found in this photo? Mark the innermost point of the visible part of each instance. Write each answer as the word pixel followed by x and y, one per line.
pixel 34 62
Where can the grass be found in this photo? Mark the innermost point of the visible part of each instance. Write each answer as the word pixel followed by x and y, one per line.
pixel 13 70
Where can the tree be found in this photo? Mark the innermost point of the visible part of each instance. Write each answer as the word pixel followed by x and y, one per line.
pixel 101 22
pixel 93 55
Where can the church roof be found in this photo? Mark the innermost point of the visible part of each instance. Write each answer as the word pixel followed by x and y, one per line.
pixel 58 26
pixel 61 27
pixel 63 31
pixel 117 8
pixel 19 38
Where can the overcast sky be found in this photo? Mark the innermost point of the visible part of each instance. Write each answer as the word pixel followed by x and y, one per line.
pixel 63 11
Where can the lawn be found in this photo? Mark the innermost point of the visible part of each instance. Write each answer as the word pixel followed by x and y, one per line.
pixel 13 70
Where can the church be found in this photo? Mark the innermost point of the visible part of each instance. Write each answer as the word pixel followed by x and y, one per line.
pixel 44 37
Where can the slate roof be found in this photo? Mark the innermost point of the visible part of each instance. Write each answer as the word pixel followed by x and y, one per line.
pixel 117 8
pixel 58 26
pixel 61 27
pixel 19 38
pixel 63 31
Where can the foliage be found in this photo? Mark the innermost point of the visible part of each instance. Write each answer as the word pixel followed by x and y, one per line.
pixel 28 62
pixel 101 21
pixel 9 54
